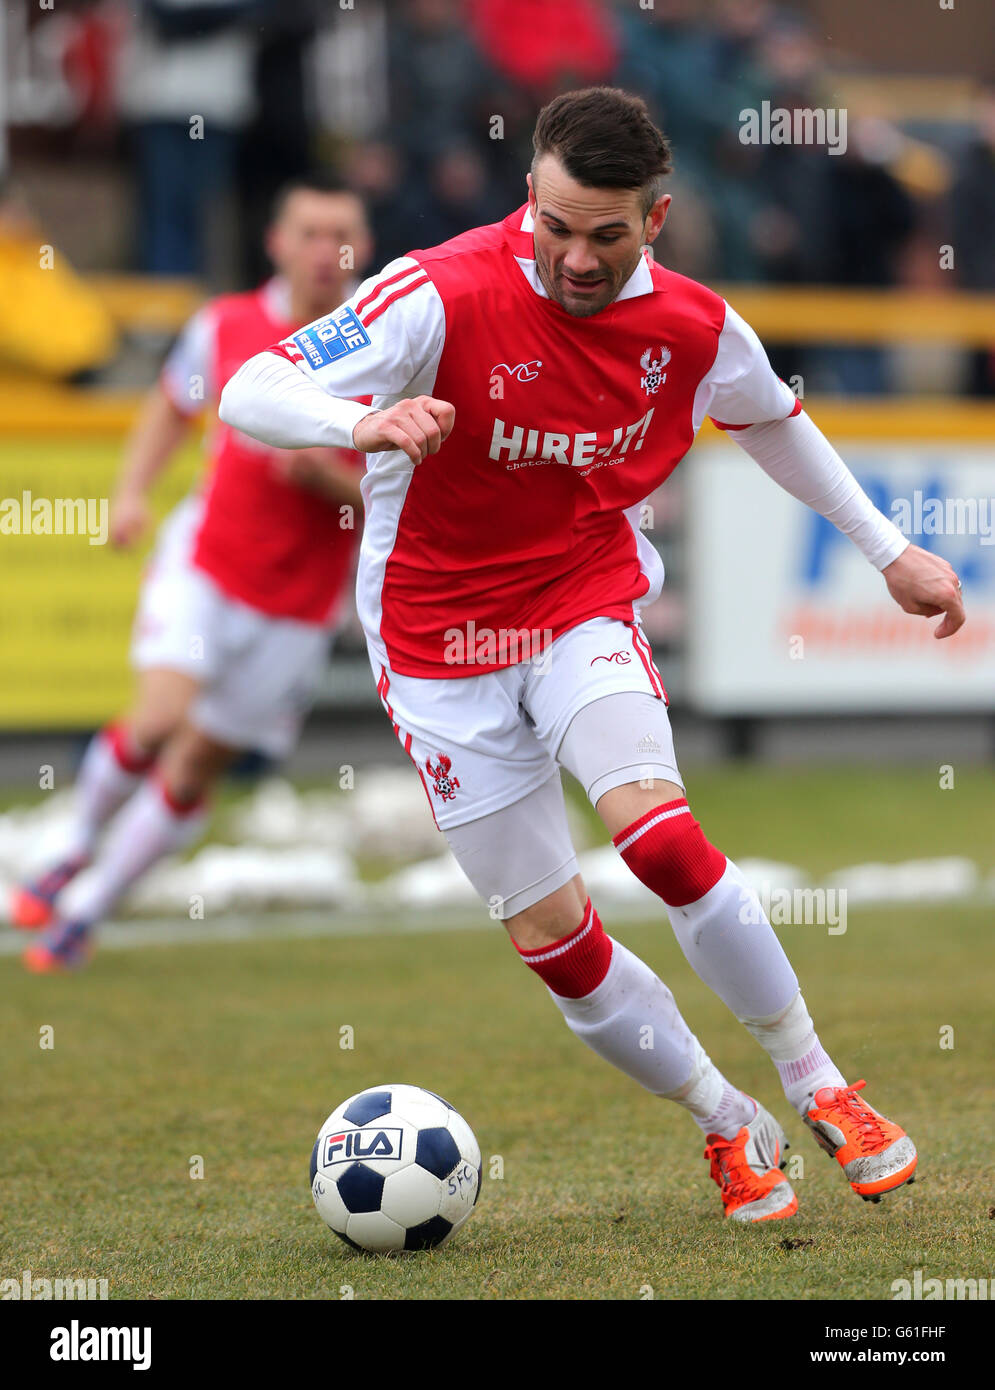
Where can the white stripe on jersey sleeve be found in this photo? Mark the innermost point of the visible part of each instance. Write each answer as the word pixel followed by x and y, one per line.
pixel 741 387
pixel 186 374
pixel 397 276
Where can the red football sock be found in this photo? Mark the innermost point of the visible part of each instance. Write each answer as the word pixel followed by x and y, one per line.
pixel 577 963
pixel 127 757
pixel 667 851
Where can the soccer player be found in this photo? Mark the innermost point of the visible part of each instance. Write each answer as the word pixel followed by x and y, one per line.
pixel 246 582
pixel 533 381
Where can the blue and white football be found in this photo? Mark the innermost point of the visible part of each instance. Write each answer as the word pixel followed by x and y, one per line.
pixel 395 1168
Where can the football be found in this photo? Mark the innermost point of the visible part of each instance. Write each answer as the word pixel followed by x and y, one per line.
pixel 395 1168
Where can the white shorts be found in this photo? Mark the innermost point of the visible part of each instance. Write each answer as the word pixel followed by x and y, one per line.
pixel 257 673
pixel 482 743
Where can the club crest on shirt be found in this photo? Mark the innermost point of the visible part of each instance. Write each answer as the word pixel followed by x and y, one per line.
pixel 652 366
pixel 445 786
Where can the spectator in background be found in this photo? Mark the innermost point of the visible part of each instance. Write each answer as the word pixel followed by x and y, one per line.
pixel 186 92
pixel 873 215
pixel 276 146
pixel 739 27
pixel 791 234
pixel 435 81
pixel 871 220
pixel 672 59
pixel 456 195
pixel 748 230
pixel 374 168
pixel 52 324
pixel 697 77
pixel 973 217
pixel 833 219
pixel 546 46
pixel 532 50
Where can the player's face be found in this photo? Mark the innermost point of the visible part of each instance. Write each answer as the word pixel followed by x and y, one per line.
pixel 587 240
pixel 319 242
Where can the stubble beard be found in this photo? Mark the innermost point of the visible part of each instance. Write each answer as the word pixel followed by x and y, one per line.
pixel 582 310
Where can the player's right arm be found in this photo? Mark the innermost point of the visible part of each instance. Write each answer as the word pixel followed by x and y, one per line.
pixel 384 343
pixel 156 435
pixel 162 425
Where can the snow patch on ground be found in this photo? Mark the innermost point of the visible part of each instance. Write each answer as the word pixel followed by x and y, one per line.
pixel 302 850
pixel 915 880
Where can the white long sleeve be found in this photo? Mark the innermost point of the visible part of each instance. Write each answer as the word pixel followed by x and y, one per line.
pixel 272 400
pixel 799 457
pixel 384 342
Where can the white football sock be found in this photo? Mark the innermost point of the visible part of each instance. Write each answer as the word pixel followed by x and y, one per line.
pixel 631 1020
pixel 790 1040
pixel 715 1106
pixel 144 831
pixel 103 784
pixel 731 946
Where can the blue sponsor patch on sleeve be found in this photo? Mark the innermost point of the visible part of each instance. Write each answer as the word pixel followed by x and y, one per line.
pixel 330 338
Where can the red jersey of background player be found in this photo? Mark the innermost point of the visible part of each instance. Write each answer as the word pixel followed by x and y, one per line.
pixel 279 547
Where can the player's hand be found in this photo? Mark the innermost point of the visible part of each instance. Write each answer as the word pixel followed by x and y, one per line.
pixel 331 473
pixel 418 426
pixel 130 518
pixel 300 466
pixel 926 584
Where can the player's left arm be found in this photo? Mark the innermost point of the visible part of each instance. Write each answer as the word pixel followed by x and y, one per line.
pixel 744 396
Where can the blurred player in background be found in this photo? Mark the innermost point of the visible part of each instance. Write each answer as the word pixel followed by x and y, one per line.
pixel 535 380
pixel 246 582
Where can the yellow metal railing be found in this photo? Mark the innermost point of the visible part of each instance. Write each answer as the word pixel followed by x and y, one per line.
pixel 813 314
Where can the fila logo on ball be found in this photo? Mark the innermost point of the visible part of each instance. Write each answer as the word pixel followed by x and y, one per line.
pixel 362 1143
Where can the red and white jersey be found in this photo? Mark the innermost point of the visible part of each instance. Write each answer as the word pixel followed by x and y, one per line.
pixel 264 540
pixel 528 516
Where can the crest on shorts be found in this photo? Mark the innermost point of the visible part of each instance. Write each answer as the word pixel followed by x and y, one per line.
pixel 653 367
pixel 445 786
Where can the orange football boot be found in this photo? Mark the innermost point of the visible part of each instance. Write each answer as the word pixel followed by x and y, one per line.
pixel 32 905
pixel 747 1171
pixel 68 946
pixel 875 1154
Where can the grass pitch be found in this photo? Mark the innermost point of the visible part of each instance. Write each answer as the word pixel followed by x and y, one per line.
pixel 231 1053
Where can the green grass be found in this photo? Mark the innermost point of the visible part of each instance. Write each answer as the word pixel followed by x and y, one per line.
pixel 825 818
pixel 231 1053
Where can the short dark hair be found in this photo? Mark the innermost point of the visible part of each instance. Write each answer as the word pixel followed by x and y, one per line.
pixel 317 181
pixel 604 138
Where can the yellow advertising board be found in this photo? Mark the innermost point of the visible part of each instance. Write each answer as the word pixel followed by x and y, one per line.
pixel 67 604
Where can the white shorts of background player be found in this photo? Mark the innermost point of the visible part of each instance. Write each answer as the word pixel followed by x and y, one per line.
pixel 257 673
